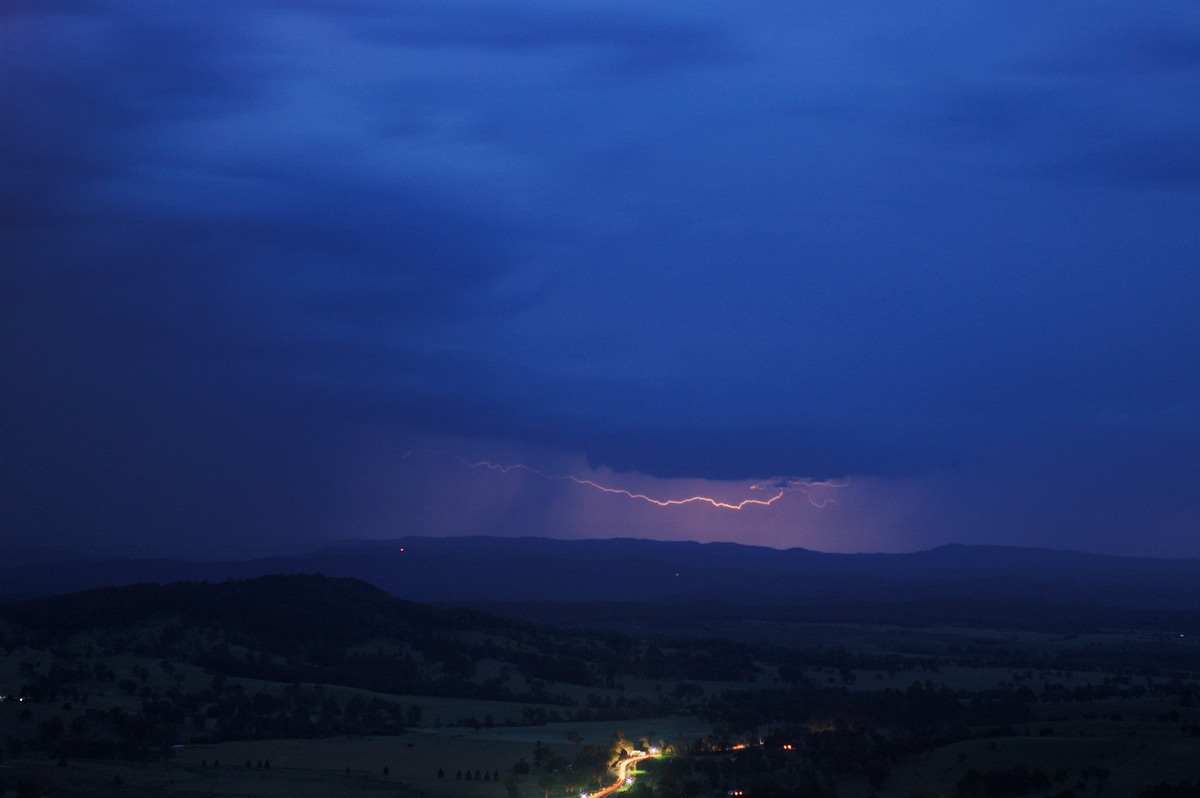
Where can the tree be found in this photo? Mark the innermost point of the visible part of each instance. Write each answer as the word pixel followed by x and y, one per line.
pixel 541 754
pixel 619 746
pixel 512 785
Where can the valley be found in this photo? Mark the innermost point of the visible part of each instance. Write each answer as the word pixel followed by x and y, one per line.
pixel 310 685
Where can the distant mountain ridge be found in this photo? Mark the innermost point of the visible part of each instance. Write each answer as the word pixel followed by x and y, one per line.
pixel 500 569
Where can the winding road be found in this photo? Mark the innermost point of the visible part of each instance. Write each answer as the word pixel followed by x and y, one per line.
pixel 622 774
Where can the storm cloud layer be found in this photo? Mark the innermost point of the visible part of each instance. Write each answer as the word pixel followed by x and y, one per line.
pixel 257 253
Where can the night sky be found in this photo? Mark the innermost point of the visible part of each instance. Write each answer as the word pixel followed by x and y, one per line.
pixel 285 271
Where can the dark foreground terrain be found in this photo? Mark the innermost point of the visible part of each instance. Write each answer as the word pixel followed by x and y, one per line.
pixel 310 685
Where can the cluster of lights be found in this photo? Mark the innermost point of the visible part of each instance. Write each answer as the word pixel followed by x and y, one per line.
pixel 653 751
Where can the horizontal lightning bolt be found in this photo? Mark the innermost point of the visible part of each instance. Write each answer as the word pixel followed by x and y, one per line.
pixel 780 486
pixel 504 469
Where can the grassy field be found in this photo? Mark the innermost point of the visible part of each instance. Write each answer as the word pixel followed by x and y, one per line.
pixel 1134 742
pixel 338 766
pixel 1134 753
pixel 1113 746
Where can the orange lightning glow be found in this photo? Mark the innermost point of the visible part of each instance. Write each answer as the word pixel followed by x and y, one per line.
pixel 504 469
pixel 780 486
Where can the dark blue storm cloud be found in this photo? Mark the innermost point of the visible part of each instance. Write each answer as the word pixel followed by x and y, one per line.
pixel 249 249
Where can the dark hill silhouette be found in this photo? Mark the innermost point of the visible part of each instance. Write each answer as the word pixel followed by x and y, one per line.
pixel 308 628
pixel 278 610
pixel 495 569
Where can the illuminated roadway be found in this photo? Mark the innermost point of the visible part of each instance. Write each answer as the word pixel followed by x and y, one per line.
pixel 623 776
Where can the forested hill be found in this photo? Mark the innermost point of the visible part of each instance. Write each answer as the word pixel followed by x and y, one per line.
pixel 323 630
pixel 280 611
